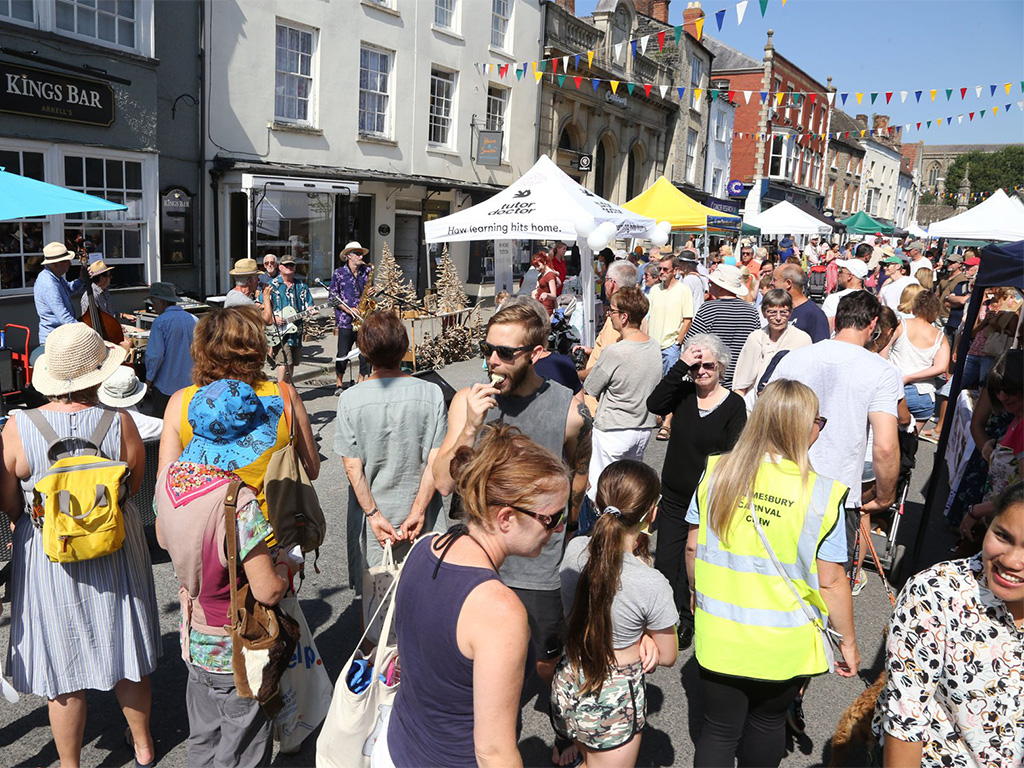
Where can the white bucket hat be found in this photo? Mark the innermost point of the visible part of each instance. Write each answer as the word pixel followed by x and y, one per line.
pixel 354 246
pixel 122 389
pixel 730 278
pixel 75 358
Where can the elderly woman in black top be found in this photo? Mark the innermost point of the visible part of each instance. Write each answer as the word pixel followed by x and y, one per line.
pixel 707 419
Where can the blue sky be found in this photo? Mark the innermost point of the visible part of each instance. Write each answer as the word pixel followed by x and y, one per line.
pixel 894 45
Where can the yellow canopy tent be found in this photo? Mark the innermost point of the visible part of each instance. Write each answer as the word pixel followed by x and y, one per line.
pixel 663 202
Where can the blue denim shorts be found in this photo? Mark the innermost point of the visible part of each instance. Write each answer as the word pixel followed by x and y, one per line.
pixel 921 407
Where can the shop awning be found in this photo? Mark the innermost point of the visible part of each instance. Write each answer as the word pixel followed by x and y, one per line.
pixel 663 202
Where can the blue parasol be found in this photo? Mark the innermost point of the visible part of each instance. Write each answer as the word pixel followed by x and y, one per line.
pixel 21 196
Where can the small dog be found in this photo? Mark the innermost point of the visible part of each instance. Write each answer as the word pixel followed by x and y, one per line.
pixel 855 723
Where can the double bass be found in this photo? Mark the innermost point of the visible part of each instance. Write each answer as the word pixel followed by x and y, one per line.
pixel 105 324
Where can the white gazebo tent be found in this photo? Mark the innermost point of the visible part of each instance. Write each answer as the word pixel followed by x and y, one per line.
pixel 786 219
pixel 1000 217
pixel 544 203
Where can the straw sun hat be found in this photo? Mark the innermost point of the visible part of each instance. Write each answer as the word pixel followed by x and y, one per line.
pixel 75 358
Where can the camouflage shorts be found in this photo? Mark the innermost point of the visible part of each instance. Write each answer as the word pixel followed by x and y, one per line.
pixel 603 720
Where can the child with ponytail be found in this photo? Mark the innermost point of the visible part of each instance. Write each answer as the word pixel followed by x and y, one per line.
pixel 621 624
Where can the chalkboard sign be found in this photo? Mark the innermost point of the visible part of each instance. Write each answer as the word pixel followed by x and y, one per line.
pixel 176 247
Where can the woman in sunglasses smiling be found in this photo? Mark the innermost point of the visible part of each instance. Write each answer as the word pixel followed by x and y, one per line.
pixel 709 419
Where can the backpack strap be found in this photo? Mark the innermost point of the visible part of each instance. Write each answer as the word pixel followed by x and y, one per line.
pixel 102 427
pixel 289 411
pixel 53 440
pixel 43 427
pixel 231 541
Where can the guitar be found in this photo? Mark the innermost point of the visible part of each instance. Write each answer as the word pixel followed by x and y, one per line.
pixel 289 317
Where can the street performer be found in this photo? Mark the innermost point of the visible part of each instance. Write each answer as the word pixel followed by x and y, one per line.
pixel 348 283
pixel 286 290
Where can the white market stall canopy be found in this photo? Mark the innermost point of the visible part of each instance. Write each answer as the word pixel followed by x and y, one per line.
pixel 914 230
pixel 1000 217
pixel 543 204
pixel 786 219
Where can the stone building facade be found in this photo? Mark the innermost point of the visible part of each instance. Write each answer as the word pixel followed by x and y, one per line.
pixel 935 160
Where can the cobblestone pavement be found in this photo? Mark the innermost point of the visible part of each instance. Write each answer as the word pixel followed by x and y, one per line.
pixel 673 701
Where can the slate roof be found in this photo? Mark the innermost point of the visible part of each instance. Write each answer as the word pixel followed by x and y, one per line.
pixel 728 58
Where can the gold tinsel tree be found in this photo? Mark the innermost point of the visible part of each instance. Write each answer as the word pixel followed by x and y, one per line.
pixel 394 292
pixel 451 296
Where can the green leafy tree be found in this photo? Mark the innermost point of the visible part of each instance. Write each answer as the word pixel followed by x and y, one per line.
pixel 989 171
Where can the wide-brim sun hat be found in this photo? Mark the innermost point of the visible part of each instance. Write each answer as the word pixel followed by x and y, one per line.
pixel 164 292
pixel 353 247
pixel 730 278
pixel 122 389
pixel 99 267
pixel 245 267
pixel 54 253
pixel 75 358
pixel 231 426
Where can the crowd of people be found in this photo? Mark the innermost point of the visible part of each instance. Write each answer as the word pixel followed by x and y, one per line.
pixel 573 569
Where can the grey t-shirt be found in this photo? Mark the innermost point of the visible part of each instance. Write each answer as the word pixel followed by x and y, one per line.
pixel 644 600
pixel 850 383
pixel 236 298
pixel 391 425
pixel 622 379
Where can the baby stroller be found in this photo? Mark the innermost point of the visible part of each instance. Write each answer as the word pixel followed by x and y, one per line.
pixel 885 535
pixel 564 335
pixel 816 280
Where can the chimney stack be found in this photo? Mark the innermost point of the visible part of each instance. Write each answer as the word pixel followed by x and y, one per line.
pixel 569 6
pixel 881 123
pixel 690 15
pixel 862 120
pixel 659 10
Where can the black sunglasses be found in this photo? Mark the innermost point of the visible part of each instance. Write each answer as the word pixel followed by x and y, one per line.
pixel 548 521
pixel 505 354
pixel 706 366
pixel 821 421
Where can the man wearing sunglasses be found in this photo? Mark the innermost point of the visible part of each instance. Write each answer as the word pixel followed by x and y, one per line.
pixel 545 411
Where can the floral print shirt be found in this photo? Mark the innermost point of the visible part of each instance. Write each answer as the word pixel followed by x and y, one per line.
pixel 954 661
pixel 349 288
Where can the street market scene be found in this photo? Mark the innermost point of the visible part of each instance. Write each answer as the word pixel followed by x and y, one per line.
pixel 399 383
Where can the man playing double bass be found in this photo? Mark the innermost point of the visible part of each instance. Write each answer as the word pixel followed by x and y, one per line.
pixel 52 292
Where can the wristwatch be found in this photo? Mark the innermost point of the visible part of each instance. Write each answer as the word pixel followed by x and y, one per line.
pixel 373 512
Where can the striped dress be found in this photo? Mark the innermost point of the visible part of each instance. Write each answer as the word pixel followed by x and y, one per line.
pixel 78 626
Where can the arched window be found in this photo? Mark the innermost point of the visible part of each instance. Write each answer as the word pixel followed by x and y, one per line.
pixel 933 175
pixel 565 140
pixel 620 26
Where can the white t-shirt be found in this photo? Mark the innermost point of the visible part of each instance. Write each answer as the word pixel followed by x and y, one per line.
pixel 921 263
pixel 831 303
pixel 850 383
pixel 893 290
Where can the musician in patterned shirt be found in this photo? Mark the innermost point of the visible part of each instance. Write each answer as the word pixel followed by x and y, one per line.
pixel 285 290
pixel 348 283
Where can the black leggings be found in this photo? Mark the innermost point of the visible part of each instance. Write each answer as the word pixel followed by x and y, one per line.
pixel 739 708
pixel 346 340
pixel 670 555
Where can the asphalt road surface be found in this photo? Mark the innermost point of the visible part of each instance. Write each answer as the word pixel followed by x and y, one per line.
pixel 674 708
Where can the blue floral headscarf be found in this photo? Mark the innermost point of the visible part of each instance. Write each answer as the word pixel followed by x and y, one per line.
pixel 231 425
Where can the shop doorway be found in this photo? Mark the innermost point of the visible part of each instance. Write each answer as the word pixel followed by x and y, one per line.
pixel 407 247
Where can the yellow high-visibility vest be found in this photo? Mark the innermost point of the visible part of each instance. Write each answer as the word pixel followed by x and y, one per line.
pixel 747 621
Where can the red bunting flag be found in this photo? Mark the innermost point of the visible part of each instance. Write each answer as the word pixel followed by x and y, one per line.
pixel 647 90
pixel 732 95
pixel 888 96
pixel 963 94
pixel 971 116
pixel 577 80
pixel 919 126
pixel 811 97
pixel 554 66
pixel 661 40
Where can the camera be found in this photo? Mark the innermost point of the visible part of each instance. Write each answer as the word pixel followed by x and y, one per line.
pixel 579 358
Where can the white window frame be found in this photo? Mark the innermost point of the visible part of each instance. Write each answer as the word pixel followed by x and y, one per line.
pixel 503 120
pixel 55 226
pixel 716 182
pixel 833 162
pixel 830 199
pixel 453 14
pixel 388 112
pixel 45 20
pixel 692 138
pixel 436 74
pixel 310 120
pixel 696 77
pixel 498 20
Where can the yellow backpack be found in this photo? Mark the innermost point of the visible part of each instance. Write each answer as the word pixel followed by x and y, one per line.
pixel 79 499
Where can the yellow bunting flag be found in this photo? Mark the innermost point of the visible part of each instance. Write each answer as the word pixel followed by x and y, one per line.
pixel 859 97
pixel 615 85
pixel 939 122
pixel 778 98
pixel 995 110
pixel 933 92
pixel 590 58
pixel 699 23
pixel 537 76
pixel 1007 87
pixel 535 67
pixel 696 93
pixel 783 3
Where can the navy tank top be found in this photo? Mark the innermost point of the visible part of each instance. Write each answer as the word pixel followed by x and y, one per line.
pixel 432 719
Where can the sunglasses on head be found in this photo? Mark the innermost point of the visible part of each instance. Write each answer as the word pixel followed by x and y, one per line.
pixel 821 421
pixel 505 354
pixel 706 366
pixel 548 521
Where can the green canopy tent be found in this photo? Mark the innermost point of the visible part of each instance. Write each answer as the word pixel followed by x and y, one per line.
pixel 862 224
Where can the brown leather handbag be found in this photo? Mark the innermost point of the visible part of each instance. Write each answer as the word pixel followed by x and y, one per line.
pixel 263 638
pixel 293 508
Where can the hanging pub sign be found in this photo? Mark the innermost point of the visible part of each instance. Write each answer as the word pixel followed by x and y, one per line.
pixel 176 228
pixel 55 96
pixel 488 147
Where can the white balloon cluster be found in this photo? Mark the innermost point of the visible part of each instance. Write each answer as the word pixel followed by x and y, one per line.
pixel 661 233
pixel 596 235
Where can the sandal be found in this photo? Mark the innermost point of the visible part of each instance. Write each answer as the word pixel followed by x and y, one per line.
pixel 131 745
pixel 664 433
pixel 930 436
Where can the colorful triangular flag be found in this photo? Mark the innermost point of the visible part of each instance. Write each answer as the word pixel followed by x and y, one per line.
pixel 949 94
pixel 576 63
pixel 811 97
pixel 632 45
pixel 888 96
pixel 963 94
pixel 577 79
pixel 859 97
pixel 615 85
pixel 843 97
pixel 681 90
pixel 663 89
pixel 643 44
pixel 647 90
pixel 831 96
pixel 971 116
pixel 874 96
pixel 519 72
pixel 903 97
pixel 918 95
pixel 538 75
pixel 565 63
pixel 778 99
pixel 661 40
pixel 590 59
pixel 959 119
pixel 595 82
pixel 630 87
pixel 720 17
pixel 747 95
pixel 618 50
pixel 561 80
pixel 554 66
pixel 679 33
pixel 697 92
pixel 764 7
pixel 933 91
pixel 995 110
pixel 977 91
pixel 992 90
pixel 741 8
pixel 1007 87
pixel 699 24
pixel 714 93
